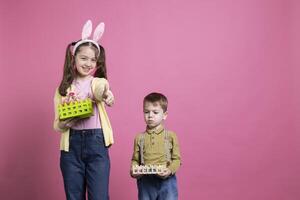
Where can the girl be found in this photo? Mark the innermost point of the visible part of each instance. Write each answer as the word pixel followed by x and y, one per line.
pixel 84 160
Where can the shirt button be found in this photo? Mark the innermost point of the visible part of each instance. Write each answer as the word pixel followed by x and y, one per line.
pixel 152 143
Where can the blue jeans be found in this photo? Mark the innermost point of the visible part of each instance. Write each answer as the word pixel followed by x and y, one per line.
pixel 151 187
pixel 86 166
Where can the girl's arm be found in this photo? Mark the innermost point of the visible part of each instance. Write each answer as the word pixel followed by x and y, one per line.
pixel 101 92
pixel 108 98
pixel 61 125
pixel 56 124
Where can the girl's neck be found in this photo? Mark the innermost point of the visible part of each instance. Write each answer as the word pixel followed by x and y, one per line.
pixel 83 78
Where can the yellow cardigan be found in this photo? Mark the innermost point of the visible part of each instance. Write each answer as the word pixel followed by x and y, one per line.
pixel 98 85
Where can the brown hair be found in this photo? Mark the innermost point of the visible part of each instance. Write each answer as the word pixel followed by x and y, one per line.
pixel 69 73
pixel 157 97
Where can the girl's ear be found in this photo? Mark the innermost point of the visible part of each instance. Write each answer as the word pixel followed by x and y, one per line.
pixel 86 30
pixel 98 32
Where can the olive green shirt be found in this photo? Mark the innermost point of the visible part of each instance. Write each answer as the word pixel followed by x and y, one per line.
pixel 154 149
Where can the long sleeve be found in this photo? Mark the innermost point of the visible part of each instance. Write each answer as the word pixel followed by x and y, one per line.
pixel 57 100
pixel 99 85
pixel 175 155
pixel 136 152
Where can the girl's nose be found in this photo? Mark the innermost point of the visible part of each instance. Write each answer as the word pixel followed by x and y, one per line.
pixel 89 63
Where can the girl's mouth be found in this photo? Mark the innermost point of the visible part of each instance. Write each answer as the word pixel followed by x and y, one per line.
pixel 86 69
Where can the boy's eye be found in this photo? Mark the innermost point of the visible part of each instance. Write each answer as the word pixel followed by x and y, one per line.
pixel 146 111
pixel 155 112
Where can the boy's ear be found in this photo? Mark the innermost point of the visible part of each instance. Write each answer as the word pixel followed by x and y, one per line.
pixel 165 115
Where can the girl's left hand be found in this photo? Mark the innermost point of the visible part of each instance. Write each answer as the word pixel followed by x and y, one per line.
pixel 108 98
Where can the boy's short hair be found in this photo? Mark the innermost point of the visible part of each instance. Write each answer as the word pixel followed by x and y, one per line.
pixel 159 98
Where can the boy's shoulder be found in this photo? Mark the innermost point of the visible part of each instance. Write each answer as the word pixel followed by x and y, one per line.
pixel 141 134
pixel 170 132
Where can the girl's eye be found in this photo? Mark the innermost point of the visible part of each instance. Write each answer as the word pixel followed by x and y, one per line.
pixel 155 112
pixel 83 58
pixel 146 112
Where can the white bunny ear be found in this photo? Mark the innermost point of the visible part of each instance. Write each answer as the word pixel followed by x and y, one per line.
pixel 86 30
pixel 98 32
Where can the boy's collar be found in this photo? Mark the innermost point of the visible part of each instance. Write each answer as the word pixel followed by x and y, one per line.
pixel 156 130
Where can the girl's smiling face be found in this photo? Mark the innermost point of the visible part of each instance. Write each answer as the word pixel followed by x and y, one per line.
pixel 85 61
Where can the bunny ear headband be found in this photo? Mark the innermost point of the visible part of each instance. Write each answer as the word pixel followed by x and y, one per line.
pixel 86 33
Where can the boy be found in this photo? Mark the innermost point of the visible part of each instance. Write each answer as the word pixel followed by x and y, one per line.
pixel 156 147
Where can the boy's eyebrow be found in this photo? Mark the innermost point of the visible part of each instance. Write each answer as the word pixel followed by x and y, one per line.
pixel 151 110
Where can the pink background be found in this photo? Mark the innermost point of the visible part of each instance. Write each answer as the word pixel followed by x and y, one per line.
pixel 230 69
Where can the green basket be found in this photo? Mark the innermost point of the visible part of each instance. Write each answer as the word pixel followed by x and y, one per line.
pixel 82 109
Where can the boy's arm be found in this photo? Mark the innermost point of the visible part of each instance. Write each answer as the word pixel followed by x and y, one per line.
pixel 136 153
pixel 175 155
pixel 135 157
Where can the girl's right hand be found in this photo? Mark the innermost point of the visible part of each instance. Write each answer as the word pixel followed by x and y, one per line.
pixel 108 97
pixel 67 123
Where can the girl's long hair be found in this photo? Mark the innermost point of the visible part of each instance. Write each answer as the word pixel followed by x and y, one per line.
pixel 69 73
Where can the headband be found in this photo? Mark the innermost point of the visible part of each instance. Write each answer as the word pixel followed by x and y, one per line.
pixel 86 33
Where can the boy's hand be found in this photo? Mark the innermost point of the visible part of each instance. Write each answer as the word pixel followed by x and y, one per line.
pixel 137 176
pixel 165 173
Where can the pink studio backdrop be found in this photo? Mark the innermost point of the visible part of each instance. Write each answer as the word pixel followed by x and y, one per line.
pixel 230 69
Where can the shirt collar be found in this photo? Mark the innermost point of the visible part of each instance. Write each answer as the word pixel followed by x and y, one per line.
pixel 156 130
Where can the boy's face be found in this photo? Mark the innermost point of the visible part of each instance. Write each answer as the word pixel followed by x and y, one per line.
pixel 153 114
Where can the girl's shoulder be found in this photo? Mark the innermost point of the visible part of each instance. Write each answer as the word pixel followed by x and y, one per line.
pixel 99 84
pixel 56 94
pixel 96 81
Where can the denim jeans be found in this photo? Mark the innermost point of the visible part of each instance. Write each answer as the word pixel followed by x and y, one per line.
pixel 86 166
pixel 152 187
